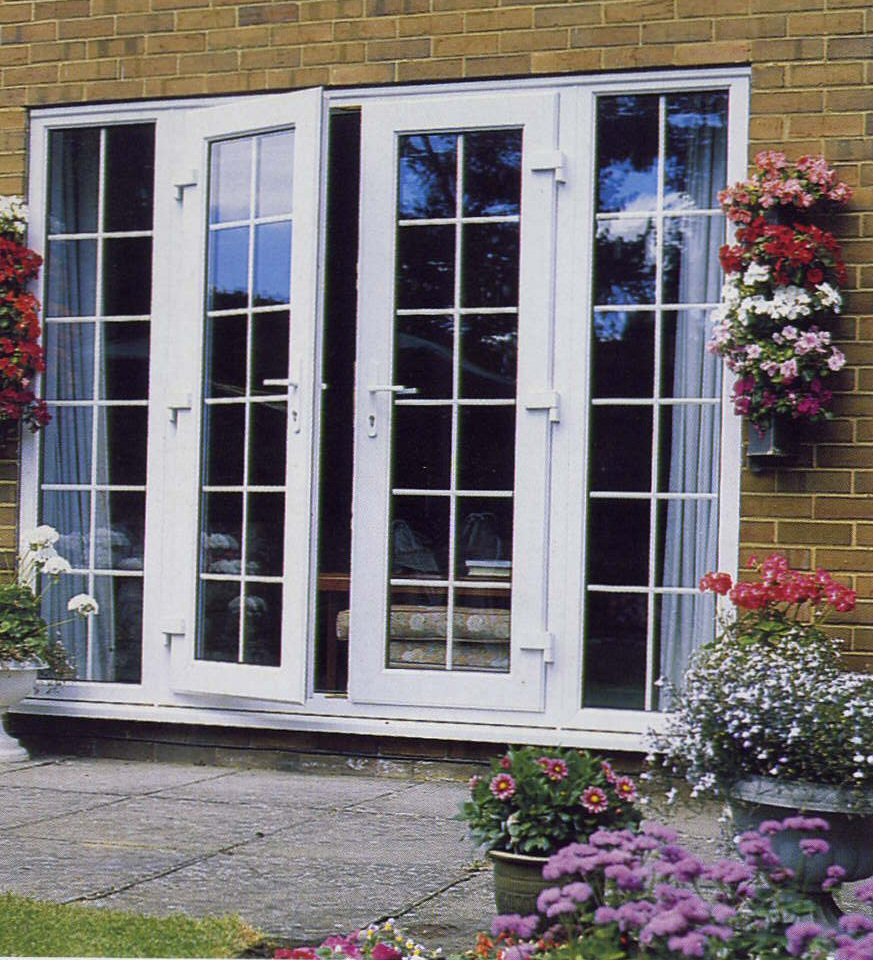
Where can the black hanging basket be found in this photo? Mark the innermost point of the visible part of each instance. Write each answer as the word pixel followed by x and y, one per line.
pixel 771 444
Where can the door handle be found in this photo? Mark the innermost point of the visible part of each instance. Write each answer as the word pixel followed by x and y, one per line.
pixel 398 390
pixel 293 385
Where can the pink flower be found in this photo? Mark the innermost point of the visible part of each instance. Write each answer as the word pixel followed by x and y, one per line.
pixel 557 770
pixel 626 788
pixel 594 800
pixel 381 951
pixel 506 763
pixel 503 787
pixel 608 772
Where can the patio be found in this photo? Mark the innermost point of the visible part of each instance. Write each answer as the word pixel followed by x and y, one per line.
pixel 298 855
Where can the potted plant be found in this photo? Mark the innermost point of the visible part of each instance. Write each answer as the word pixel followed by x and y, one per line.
pixel 28 645
pixel 780 295
pixel 532 802
pixel 767 715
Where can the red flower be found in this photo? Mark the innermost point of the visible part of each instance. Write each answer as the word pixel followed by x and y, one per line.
pixel 381 951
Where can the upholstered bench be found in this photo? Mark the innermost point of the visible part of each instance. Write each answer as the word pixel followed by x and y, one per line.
pixel 417 637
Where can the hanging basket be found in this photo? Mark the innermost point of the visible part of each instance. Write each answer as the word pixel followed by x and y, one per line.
pixel 771 443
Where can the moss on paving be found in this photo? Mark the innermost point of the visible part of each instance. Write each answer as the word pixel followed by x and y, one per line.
pixel 38 929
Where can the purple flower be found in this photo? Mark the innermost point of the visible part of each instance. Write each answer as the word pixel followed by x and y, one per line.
pixel 809 848
pixel 691 945
pixel 769 827
pixel 625 877
pixel 521 951
pixel 855 923
pixel 671 921
pixel 722 912
pixel 864 891
pixel 604 915
pixel 659 831
pixel 756 849
pixel 717 931
pixel 515 925
pixel 693 909
pixel 564 905
pixel 799 936
pixel 729 872
pixel 635 913
pixel 547 897
pixel 805 823
pixel 688 869
pixel 578 892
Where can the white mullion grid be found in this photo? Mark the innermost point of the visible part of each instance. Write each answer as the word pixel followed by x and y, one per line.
pixel 105 234
pixel 268 218
pixel 652 308
pixel 247 406
pixel 459 218
pixel 470 585
pixel 97 402
pixel 642 589
pixel 665 212
pixel 111 572
pixel 241 488
pixel 644 495
pixel 646 401
pixel 656 408
pixel 265 308
pixel 234 578
pixel 416 492
pixel 444 312
pixel 95 394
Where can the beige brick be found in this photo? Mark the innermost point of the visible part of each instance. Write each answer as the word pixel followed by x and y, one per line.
pixel 175 86
pixel 10 56
pixel 25 76
pixel 61 9
pixel 141 24
pixel 114 89
pixel 844 508
pixel 48 52
pixel 331 53
pixel 87 29
pixel 509 65
pixel 162 66
pixel 619 58
pixel 16 12
pixel 414 70
pixel 755 505
pixel 534 40
pixel 122 47
pixel 271 58
pixel 398 49
pixel 217 19
pixel 507 18
pixel 180 42
pixel 788 101
pixel 638 11
pixel 704 8
pixel 826 125
pixel 302 33
pixel 788 6
pixel 466 46
pixel 767 76
pixel 362 73
pixel 256 13
pixel 814 481
pixel 850 48
pixel 794 49
pixel 381 29
pixel 835 534
pixel 90 70
pixel 725 51
pixel 434 25
pixel 30 32
pixel 608 36
pixel 194 63
pixel 825 74
pixel 100 7
pixel 326 10
pixel 751 28
pixel 390 8
pixel 569 15
pixel 677 32
pixel 235 39
pixel 825 24
pixel 566 61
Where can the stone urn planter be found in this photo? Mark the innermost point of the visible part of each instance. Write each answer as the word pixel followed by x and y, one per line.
pixel 17 681
pixel 850 837
pixel 518 881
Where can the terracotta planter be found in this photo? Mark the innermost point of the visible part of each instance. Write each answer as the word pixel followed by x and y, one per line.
pixel 850 836
pixel 17 681
pixel 518 881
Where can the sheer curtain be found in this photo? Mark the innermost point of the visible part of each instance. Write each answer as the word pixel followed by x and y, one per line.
pixel 691 536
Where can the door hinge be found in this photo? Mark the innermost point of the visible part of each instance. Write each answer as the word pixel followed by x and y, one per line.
pixel 545 400
pixel 553 161
pixel 172 628
pixel 176 405
pixel 184 181
pixel 544 641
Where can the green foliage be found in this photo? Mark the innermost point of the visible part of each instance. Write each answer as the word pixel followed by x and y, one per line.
pixel 24 636
pixel 536 800
pixel 33 928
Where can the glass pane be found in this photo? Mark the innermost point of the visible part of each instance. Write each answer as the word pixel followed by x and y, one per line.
pixel 696 372
pixel 618 542
pixel 221 537
pixel 625 261
pixel 490 265
pixel 228 268
pixel 127 276
pixel 615 650
pixel 428 176
pixel 69 372
pixel 623 355
pixel 219 621
pixel 481 629
pixel 74 633
pixel 486 448
pixel 267 440
pixel 627 153
pixel 130 176
pixel 425 267
pixel 422 447
pixel 119 530
pixel 69 512
pixel 269 350
pixel 687 542
pixel 417 628
pixel 230 180
pixel 66 451
pixel 226 344
pixel 696 148
pixel 483 548
pixel 689 459
pixel 691 270
pixel 489 355
pixel 419 537
pixel 275 183
pixel 492 173
pixel 621 448
pixel 683 622
pixel 262 630
pixel 121 445
pixel 272 280
pixel 117 643
pixel 71 278
pixel 125 352
pixel 223 441
pixel 265 534
pixel 74 162
pixel 424 356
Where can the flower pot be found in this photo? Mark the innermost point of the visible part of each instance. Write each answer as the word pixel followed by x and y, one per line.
pixel 17 681
pixel 850 836
pixel 786 215
pixel 518 881
pixel 770 444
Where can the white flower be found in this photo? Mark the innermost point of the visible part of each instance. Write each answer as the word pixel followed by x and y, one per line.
pixel 41 537
pixel 56 565
pixel 756 273
pixel 83 604
pixel 829 296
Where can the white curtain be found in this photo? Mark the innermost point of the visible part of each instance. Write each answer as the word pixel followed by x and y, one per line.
pixel 691 539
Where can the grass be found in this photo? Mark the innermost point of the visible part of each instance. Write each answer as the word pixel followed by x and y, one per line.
pixel 38 929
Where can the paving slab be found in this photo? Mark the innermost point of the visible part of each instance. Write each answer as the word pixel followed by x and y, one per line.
pixel 29 805
pixel 433 800
pixel 118 777
pixel 275 788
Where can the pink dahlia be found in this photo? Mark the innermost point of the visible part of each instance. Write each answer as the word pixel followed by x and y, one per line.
pixel 626 788
pixel 594 799
pixel 503 786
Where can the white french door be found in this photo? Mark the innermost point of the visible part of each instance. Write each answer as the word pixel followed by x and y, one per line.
pixel 239 439
pixel 454 401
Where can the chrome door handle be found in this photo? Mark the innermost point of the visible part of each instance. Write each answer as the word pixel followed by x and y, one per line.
pixel 394 388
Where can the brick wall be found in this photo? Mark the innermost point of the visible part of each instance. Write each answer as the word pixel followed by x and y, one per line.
pixel 812 64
